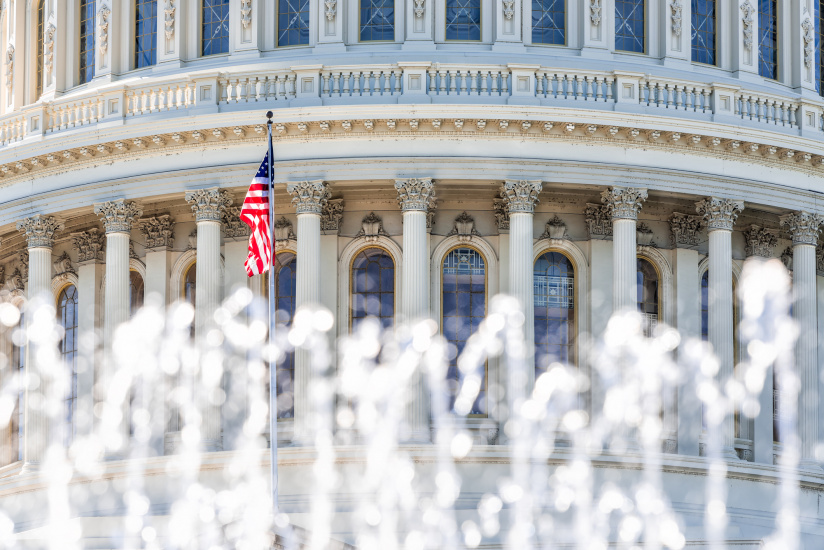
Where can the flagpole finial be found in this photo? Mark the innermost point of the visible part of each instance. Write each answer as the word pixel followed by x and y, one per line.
pixel 269 115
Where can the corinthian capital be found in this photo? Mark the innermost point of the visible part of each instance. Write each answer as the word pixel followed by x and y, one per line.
pixel 89 245
pixel 520 195
pixel 309 197
pixel 39 230
pixel 719 213
pixel 158 231
pixel 118 216
pixel 208 204
pixel 760 242
pixel 803 226
pixel 415 194
pixel 624 203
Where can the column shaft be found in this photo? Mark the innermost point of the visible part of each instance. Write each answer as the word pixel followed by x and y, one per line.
pixel 625 286
pixel 117 284
pixel 521 284
pixel 806 355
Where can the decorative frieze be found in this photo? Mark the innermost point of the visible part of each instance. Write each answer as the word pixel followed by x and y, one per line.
pixel 624 203
pixel 371 228
pixel 233 226
pixel 208 204
pixel 159 231
pixel 759 241
pixel 719 213
pixel 803 226
pixel 39 230
pixel 464 228
pixel 89 244
pixel 555 229
pixel 599 220
pixel 331 216
pixel 309 197
pixel 520 195
pixel 415 194
pixel 283 230
pixel 684 229
pixel 118 216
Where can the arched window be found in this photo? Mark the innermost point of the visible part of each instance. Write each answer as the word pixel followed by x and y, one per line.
pixel 293 22
pixel 67 318
pixel 554 286
pixel 18 363
pixel 215 27
pixel 145 33
pixel 87 26
pixel 703 31
pixel 189 289
pixel 285 289
pixel 464 307
pixel 648 281
pixel 463 20
pixel 377 20
pixel 136 292
pixel 630 25
pixel 549 22
pixel 373 286
pixel 38 74
pixel 768 38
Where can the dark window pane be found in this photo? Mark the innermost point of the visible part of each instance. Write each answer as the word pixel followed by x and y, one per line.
pixel 630 25
pixel 215 29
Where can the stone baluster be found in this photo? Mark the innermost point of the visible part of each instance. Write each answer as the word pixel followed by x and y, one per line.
pixel 720 215
pixel 309 198
pixel 416 196
pixel 39 231
pixel 804 228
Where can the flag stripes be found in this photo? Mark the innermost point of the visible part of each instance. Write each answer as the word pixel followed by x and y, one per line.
pixel 255 213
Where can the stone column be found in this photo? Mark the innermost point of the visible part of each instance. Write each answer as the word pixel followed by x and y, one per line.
pixel 416 196
pixel 208 206
pixel 39 231
pixel 720 216
pixel 804 228
pixel 309 197
pixel 624 204
pixel 520 198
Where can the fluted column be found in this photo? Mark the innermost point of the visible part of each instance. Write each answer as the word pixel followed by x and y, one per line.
pixel 416 196
pixel 804 228
pixel 39 231
pixel 720 216
pixel 624 204
pixel 308 198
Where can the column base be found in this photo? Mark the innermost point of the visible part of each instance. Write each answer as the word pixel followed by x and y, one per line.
pixel 728 453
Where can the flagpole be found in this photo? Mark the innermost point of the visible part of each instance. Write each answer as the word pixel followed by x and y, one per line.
pixel 273 391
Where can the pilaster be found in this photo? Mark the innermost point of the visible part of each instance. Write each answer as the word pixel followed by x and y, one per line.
pixel 171 31
pixel 745 40
pixel 107 47
pixel 246 24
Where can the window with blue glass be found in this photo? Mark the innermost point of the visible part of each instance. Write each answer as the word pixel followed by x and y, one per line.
pixel 67 318
pixel 215 27
pixel 463 308
pixel 87 14
pixel 145 34
pixel 373 287
pixel 819 43
pixel 463 19
pixel 549 22
pixel 293 22
pixel 38 85
pixel 768 38
pixel 703 31
pixel 630 25
pixel 377 20
pixel 554 288
pixel 285 292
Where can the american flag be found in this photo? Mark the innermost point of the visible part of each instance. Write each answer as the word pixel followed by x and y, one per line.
pixel 255 213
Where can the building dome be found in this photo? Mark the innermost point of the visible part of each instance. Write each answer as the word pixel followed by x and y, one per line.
pixel 584 158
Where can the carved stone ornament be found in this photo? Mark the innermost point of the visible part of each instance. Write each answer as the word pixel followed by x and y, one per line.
pixel 371 228
pixel 464 228
pixel 309 197
pixel 599 221
pixel 808 35
pixel 233 226
pixel 719 213
pixel 103 29
pixel 48 49
pixel 192 238
pixel 118 216
pixel 2 275
pixel 555 229
pixel 246 13
pixel 158 231
pixel 520 195
pixel 283 230
pixel 415 194
pixel 10 68
pixel 747 11
pixel 595 12
pixel 501 214
pixel 803 226
pixel 23 256
pixel 39 231
pixel 677 8
pixel 331 9
pixel 169 18
pixel 208 204
pixel 89 245
pixel 685 229
pixel 643 235
pixel 819 259
pixel 63 264
pixel 332 216
pixel 509 8
pixel 624 203
pixel 132 253
pixel 787 258
pixel 420 7
pixel 15 282
pixel 760 242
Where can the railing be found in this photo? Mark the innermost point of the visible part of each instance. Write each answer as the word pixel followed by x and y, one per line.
pixel 610 90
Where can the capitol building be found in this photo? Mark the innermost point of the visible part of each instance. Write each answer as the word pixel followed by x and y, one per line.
pixel 585 157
